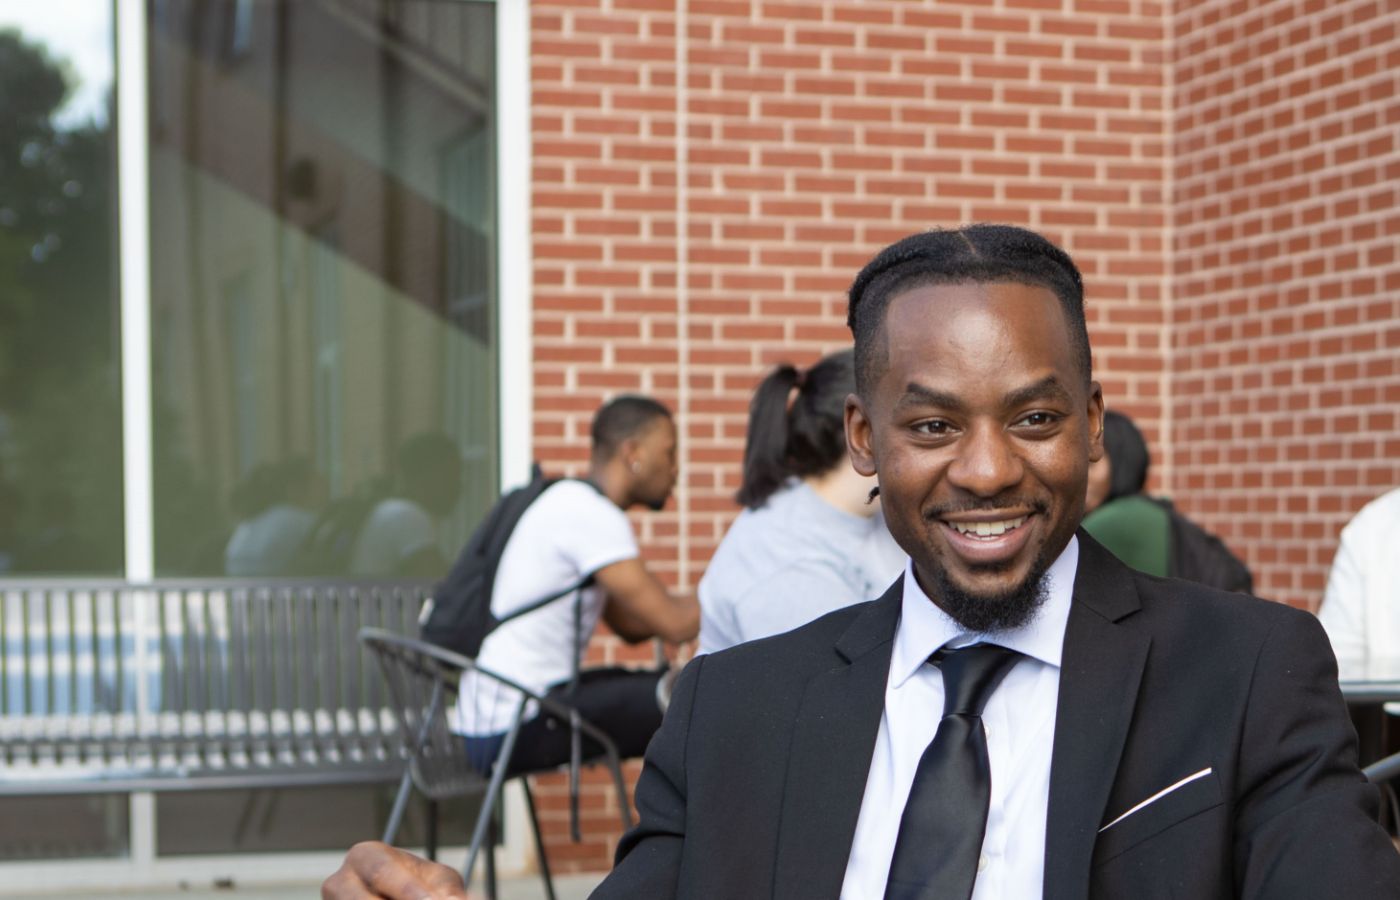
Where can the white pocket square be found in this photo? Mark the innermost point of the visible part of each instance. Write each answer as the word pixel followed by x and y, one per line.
pixel 1158 796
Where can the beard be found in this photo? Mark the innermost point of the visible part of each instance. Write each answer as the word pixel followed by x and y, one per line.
pixel 1000 611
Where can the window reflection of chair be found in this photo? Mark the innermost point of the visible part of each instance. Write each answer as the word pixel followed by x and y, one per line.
pixel 423 683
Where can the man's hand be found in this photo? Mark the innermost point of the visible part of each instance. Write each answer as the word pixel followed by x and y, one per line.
pixel 374 870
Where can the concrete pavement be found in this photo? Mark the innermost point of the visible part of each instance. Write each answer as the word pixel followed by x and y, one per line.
pixel 528 887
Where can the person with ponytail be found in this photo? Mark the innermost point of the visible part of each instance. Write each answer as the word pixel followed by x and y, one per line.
pixel 810 539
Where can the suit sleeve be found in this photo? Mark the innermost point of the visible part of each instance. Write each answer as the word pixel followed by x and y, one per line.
pixel 1305 822
pixel 648 859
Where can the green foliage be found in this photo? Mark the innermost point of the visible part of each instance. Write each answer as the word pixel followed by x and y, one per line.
pixel 60 431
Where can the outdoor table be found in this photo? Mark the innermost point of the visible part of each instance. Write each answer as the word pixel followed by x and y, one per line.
pixel 1370 681
pixel 1367 685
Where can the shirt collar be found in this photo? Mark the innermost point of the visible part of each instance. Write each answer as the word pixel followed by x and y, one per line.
pixel 923 627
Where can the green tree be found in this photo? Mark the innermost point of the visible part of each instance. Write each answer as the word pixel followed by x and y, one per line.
pixel 60 425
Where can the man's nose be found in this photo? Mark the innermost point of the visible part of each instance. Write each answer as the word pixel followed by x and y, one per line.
pixel 987 462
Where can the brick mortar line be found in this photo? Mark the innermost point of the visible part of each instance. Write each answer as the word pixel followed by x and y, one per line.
pixel 1222 53
pixel 1203 276
pixel 1218 150
pixel 1291 365
pixel 1281 84
pixel 1166 407
pixel 1350 138
pixel 1297 205
pixel 1284 235
pixel 1203 280
pixel 682 276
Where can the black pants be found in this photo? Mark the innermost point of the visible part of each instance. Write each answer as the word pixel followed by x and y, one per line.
pixel 619 702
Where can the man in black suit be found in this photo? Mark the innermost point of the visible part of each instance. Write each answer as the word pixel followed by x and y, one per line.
pixel 1142 738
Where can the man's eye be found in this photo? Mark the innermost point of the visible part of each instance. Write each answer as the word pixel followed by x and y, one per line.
pixel 1039 419
pixel 935 427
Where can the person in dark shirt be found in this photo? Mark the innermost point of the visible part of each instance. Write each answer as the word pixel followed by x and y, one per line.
pixel 1121 515
pixel 1147 532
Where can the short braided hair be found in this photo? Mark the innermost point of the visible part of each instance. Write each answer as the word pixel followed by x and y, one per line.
pixel 976 253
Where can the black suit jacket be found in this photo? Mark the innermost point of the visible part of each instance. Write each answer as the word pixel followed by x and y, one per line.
pixel 753 785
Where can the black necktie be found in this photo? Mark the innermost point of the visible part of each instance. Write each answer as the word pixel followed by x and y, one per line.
pixel 945 818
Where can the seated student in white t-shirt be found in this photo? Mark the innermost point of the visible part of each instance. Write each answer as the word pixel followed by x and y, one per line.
pixel 571 530
pixel 810 539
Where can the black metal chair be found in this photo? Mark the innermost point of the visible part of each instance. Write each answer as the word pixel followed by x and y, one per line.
pixel 1383 770
pixel 423 683
pixel 1382 774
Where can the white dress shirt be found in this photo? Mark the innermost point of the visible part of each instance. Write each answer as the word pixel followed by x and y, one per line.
pixel 1020 723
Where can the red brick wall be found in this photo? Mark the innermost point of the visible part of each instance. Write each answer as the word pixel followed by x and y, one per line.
pixel 1285 308
pixel 1224 173
pixel 606 321
pixel 793 140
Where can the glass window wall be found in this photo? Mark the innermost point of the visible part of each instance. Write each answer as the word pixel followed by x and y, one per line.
pixel 323 278
pixel 60 415
pixel 323 325
pixel 323 234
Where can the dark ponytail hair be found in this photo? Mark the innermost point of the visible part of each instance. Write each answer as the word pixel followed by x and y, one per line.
pixel 805 438
pixel 1128 456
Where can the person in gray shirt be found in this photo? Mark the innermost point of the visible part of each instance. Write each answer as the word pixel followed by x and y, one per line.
pixel 810 540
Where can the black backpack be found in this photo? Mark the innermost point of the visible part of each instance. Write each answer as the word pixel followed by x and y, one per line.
pixel 1199 556
pixel 458 617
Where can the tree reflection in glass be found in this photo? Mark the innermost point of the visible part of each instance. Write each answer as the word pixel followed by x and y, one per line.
pixel 60 428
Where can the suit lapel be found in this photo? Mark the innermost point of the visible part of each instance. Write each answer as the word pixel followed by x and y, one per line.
pixel 1099 676
pixel 833 740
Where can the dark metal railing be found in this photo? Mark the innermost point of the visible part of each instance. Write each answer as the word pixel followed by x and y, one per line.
pixel 174 684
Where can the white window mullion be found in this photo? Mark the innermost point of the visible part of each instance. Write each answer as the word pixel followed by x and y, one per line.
pixel 134 217
pixel 513 299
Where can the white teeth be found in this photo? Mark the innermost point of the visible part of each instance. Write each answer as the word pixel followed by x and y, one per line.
pixel 988 529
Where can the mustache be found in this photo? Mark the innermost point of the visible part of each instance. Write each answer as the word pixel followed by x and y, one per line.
pixel 1009 501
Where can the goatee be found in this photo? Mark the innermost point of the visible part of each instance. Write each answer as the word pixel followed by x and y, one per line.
pixel 988 613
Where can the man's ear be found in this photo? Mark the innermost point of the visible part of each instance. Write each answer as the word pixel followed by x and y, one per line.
pixel 1095 422
pixel 627 453
pixel 859 436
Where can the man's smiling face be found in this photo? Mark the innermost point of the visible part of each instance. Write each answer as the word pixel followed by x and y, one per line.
pixel 981 428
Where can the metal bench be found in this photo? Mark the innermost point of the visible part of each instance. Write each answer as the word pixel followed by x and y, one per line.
pixel 191 685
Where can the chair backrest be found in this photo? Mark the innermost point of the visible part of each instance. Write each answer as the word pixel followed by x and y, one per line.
pixel 1383 770
pixel 423 681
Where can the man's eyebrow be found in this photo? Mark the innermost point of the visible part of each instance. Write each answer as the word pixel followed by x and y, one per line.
pixel 1047 388
pixel 918 395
